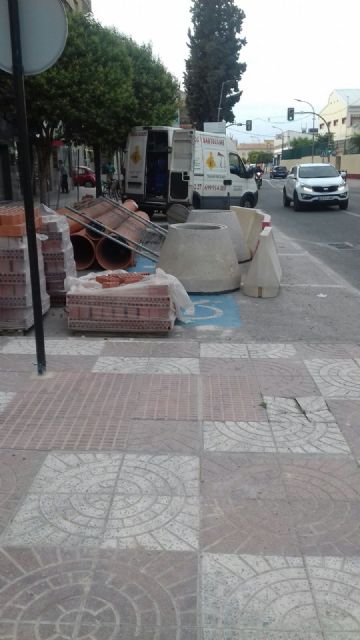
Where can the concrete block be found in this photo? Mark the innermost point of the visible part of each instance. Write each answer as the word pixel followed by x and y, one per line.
pixel 229 219
pixel 251 222
pixel 264 275
pixel 201 256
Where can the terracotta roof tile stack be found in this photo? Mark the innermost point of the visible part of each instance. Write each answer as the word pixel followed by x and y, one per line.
pixel 134 302
pixel 16 311
pixel 58 256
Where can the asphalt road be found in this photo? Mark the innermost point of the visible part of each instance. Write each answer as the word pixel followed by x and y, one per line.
pixel 317 229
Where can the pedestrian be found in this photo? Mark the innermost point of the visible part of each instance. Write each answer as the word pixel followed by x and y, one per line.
pixel 63 178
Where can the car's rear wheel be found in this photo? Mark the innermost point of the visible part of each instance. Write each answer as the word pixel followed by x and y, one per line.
pixel 344 205
pixel 297 203
pixel 286 200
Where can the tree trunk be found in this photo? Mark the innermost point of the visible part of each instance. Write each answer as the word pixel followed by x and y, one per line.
pixel 43 149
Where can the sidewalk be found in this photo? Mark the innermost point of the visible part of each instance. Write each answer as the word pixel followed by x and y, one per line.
pixel 204 486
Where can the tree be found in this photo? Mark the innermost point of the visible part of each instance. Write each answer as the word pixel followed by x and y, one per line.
pixel 213 66
pixel 300 141
pixel 263 157
pixel 93 94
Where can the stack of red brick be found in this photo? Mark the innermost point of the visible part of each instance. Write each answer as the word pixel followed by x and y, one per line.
pixel 58 256
pixel 16 311
pixel 141 306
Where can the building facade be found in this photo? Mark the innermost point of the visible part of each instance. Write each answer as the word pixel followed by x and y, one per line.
pixel 342 115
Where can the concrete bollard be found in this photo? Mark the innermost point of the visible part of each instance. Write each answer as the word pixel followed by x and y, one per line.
pixel 264 275
pixel 201 256
pixel 251 222
pixel 229 219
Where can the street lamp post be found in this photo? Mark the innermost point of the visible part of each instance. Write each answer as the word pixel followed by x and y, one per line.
pixel 221 95
pixel 313 127
pixel 282 139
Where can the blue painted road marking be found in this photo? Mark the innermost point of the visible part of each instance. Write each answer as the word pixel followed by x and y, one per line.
pixel 219 310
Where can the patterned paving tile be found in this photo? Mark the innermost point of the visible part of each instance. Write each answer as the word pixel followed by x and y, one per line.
pixel 238 436
pixel 241 476
pixel 147 365
pixel 251 592
pixel 317 478
pixel 5 399
pixel 243 634
pixel 327 527
pixel 145 592
pixel 336 378
pixel 223 350
pixel 65 346
pixel 17 381
pixel 264 350
pixel 161 397
pixel 347 415
pixel 17 468
pixel 153 522
pixel 310 350
pixel 247 526
pixel 335 585
pixel 71 411
pixel 227 367
pixel 42 591
pixel 227 398
pixel 159 436
pixel 78 473
pixel 69 520
pixel 304 425
pixel 152 348
pixel 159 475
pixel 285 378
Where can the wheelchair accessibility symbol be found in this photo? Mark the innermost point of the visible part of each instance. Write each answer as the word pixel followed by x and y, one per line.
pixel 204 311
pixel 219 310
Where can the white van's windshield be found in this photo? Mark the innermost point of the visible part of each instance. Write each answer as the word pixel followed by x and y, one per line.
pixel 318 172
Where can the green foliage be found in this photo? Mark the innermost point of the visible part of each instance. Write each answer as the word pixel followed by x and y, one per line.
pixel 260 156
pixel 355 142
pixel 214 45
pixel 301 141
pixel 103 84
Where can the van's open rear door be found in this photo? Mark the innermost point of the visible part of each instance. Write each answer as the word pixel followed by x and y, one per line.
pixel 136 162
pixel 181 166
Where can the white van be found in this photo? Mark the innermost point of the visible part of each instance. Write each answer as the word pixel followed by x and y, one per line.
pixel 166 165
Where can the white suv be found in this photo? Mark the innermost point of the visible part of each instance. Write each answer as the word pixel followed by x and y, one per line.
pixel 315 183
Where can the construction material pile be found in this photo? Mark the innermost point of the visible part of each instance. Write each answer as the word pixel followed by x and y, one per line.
pixel 117 301
pixel 93 225
pixel 16 310
pixel 58 254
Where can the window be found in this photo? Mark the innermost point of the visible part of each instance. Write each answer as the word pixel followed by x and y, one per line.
pixel 321 125
pixel 236 165
pixel 343 121
pixel 327 171
pixel 336 122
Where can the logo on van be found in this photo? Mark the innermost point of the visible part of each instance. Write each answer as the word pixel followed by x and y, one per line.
pixel 210 161
pixel 136 156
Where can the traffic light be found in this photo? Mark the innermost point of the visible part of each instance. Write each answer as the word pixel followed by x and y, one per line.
pixel 248 125
pixel 290 113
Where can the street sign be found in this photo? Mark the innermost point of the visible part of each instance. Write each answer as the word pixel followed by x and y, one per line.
pixel 315 130
pixel 43 27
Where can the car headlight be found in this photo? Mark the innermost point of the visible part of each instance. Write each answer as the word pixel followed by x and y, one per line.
pixel 305 188
pixel 342 187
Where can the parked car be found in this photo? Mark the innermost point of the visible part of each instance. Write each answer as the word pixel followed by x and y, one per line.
pixel 278 172
pixel 84 177
pixel 315 184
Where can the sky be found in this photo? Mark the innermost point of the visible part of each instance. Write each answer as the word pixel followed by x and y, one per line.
pixel 295 49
